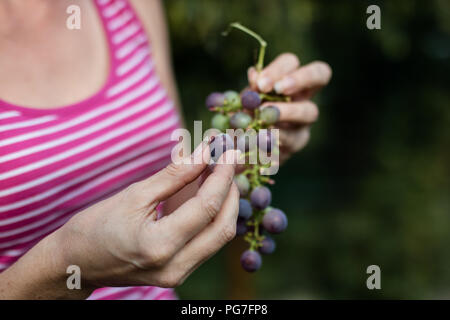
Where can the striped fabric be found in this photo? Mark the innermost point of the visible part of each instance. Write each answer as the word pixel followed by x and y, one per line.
pixel 56 162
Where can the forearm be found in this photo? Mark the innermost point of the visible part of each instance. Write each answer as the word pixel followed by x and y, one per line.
pixel 41 273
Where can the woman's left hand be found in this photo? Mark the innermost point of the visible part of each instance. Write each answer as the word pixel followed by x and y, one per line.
pixel 285 76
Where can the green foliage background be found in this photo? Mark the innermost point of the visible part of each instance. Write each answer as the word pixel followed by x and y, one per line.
pixel 373 185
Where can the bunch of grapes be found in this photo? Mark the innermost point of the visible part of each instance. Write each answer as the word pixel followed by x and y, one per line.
pixel 257 219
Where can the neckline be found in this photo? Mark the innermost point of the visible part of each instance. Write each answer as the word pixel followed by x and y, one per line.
pixel 84 103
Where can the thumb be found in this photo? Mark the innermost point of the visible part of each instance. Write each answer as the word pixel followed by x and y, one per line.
pixel 175 176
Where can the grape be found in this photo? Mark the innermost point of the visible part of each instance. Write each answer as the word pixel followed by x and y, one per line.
pixel 260 198
pixel 266 140
pixel 215 99
pixel 268 245
pixel 221 122
pixel 250 99
pixel 241 227
pixel 275 221
pixel 240 120
pixel 222 142
pixel 243 184
pixel 232 98
pixel 251 260
pixel 245 209
pixel 247 141
pixel 270 115
pixel 244 111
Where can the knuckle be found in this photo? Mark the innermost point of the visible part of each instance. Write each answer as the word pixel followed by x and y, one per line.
pixel 228 178
pixel 158 257
pixel 133 192
pixel 173 169
pixel 228 232
pixel 212 207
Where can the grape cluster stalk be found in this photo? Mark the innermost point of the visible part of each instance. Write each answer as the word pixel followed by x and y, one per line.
pixel 257 219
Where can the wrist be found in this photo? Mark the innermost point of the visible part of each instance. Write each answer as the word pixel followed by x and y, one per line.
pixel 71 250
pixel 41 273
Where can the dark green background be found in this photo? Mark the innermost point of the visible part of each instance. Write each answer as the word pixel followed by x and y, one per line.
pixel 373 185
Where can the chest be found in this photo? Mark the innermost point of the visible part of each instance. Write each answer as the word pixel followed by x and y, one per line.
pixel 54 59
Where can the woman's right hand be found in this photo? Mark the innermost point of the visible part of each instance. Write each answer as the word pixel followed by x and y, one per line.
pixel 120 241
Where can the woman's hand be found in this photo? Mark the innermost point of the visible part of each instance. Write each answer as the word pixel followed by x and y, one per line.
pixel 121 242
pixel 125 243
pixel 285 76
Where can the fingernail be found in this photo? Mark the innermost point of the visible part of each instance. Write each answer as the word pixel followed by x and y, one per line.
pixel 284 85
pixel 264 84
pixel 198 153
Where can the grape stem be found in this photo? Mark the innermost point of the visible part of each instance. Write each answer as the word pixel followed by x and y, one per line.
pixel 263 44
pixel 268 97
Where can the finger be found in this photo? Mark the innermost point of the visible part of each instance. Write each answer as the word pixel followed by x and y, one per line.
pixel 284 64
pixel 313 75
pixel 294 140
pixel 194 215
pixel 174 177
pixel 252 76
pixel 298 112
pixel 212 238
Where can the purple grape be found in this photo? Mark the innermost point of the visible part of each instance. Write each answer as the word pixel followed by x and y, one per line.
pixel 251 260
pixel 241 227
pixel 232 98
pixel 220 121
pixel 245 209
pixel 247 141
pixel 240 120
pixel 250 99
pixel 222 142
pixel 268 245
pixel 266 140
pixel 215 99
pixel 243 184
pixel 260 198
pixel 270 115
pixel 275 221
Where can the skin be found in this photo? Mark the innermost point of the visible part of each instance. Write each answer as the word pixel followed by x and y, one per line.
pixel 284 75
pixel 131 246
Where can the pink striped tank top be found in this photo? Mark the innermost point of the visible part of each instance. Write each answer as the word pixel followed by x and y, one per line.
pixel 56 162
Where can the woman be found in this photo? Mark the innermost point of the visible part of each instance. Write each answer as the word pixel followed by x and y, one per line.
pixel 85 123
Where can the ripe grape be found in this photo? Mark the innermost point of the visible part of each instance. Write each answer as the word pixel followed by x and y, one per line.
pixel 215 99
pixel 232 98
pixel 268 245
pixel 270 115
pixel 222 142
pixel 243 184
pixel 245 209
pixel 274 221
pixel 241 227
pixel 266 140
pixel 260 198
pixel 251 260
pixel 240 120
pixel 250 99
pixel 220 121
